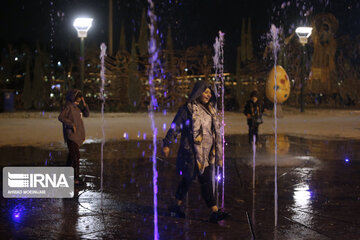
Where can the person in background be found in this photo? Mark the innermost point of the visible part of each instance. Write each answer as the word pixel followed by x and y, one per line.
pixel 253 113
pixel 200 147
pixel 73 128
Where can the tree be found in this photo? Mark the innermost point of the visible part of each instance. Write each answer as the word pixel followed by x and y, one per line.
pixel 143 35
pixel 170 66
pixel 27 95
pixel 249 44
pixel 239 90
pixel 38 82
pixel 134 85
pixel 122 41
pixel 243 42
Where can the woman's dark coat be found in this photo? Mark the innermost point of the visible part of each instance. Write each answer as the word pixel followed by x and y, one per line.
pixel 71 116
pixel 182 124
pixel 255 111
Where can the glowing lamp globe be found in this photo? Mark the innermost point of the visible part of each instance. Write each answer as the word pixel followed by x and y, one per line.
pixel 82 26
pixel 281 87
pixel 303 34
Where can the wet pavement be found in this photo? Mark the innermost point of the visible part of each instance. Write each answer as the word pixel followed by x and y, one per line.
pixel 318 193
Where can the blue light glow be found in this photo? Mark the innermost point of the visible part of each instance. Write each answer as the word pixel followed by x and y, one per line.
pixel 17 212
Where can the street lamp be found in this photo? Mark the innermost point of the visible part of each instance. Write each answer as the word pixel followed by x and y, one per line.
pixel 82 26
pixel 303 33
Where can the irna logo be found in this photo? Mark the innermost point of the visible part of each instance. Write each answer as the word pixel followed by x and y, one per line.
pixel 18 180
pixel 38 182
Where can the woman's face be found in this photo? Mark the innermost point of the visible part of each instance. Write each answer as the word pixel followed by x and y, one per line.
pixel 77 101
pixel 205 96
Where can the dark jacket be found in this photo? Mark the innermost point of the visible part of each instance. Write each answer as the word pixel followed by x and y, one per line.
pixel 71 116
pixel 182 124
pixel 255 110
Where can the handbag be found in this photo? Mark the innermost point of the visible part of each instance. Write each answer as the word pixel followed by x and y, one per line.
pixel 259 120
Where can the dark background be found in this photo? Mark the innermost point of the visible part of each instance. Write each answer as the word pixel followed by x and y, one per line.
pixel 192 22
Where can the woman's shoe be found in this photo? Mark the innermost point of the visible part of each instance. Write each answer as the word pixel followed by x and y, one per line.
pixel 218 216
pixel 175 211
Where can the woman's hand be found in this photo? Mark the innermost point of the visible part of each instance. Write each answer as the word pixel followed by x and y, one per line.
pixel 166 151
pixel 83 100
pixel 74 128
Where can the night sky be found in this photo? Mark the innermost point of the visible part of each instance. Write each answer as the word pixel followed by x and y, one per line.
pixel 192 22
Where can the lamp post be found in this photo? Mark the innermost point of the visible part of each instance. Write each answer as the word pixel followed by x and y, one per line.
pixel 303 33
pixel 82 26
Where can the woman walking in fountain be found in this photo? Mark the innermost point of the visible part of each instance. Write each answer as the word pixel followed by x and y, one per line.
pixel 200 147
pixel 73 127
pixel 253 113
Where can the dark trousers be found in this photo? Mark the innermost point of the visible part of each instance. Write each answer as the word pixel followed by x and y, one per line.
pixel 206 187
pixel 73 159
pixel 253 130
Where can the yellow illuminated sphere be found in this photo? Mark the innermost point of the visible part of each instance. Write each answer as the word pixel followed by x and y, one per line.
pixel 282 85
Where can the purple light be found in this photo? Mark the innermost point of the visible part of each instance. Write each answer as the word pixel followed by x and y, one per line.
pixel 144 136
pixel 55 86
pixel 16 212
pixel 218 177
pixel 181 173
pixel 164 126
pixel 126 135
pixel 347 160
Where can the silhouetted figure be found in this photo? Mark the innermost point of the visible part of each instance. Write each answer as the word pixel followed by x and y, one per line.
pixel 253 113
pixel 73 127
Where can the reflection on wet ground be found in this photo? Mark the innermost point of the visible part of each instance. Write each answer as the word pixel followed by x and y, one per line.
pixel 318 182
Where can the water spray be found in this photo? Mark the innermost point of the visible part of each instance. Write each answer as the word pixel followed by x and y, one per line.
pixel 275 41
pixel 102 97
pixel 219 73
pixel 253 178
pixel 153 52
